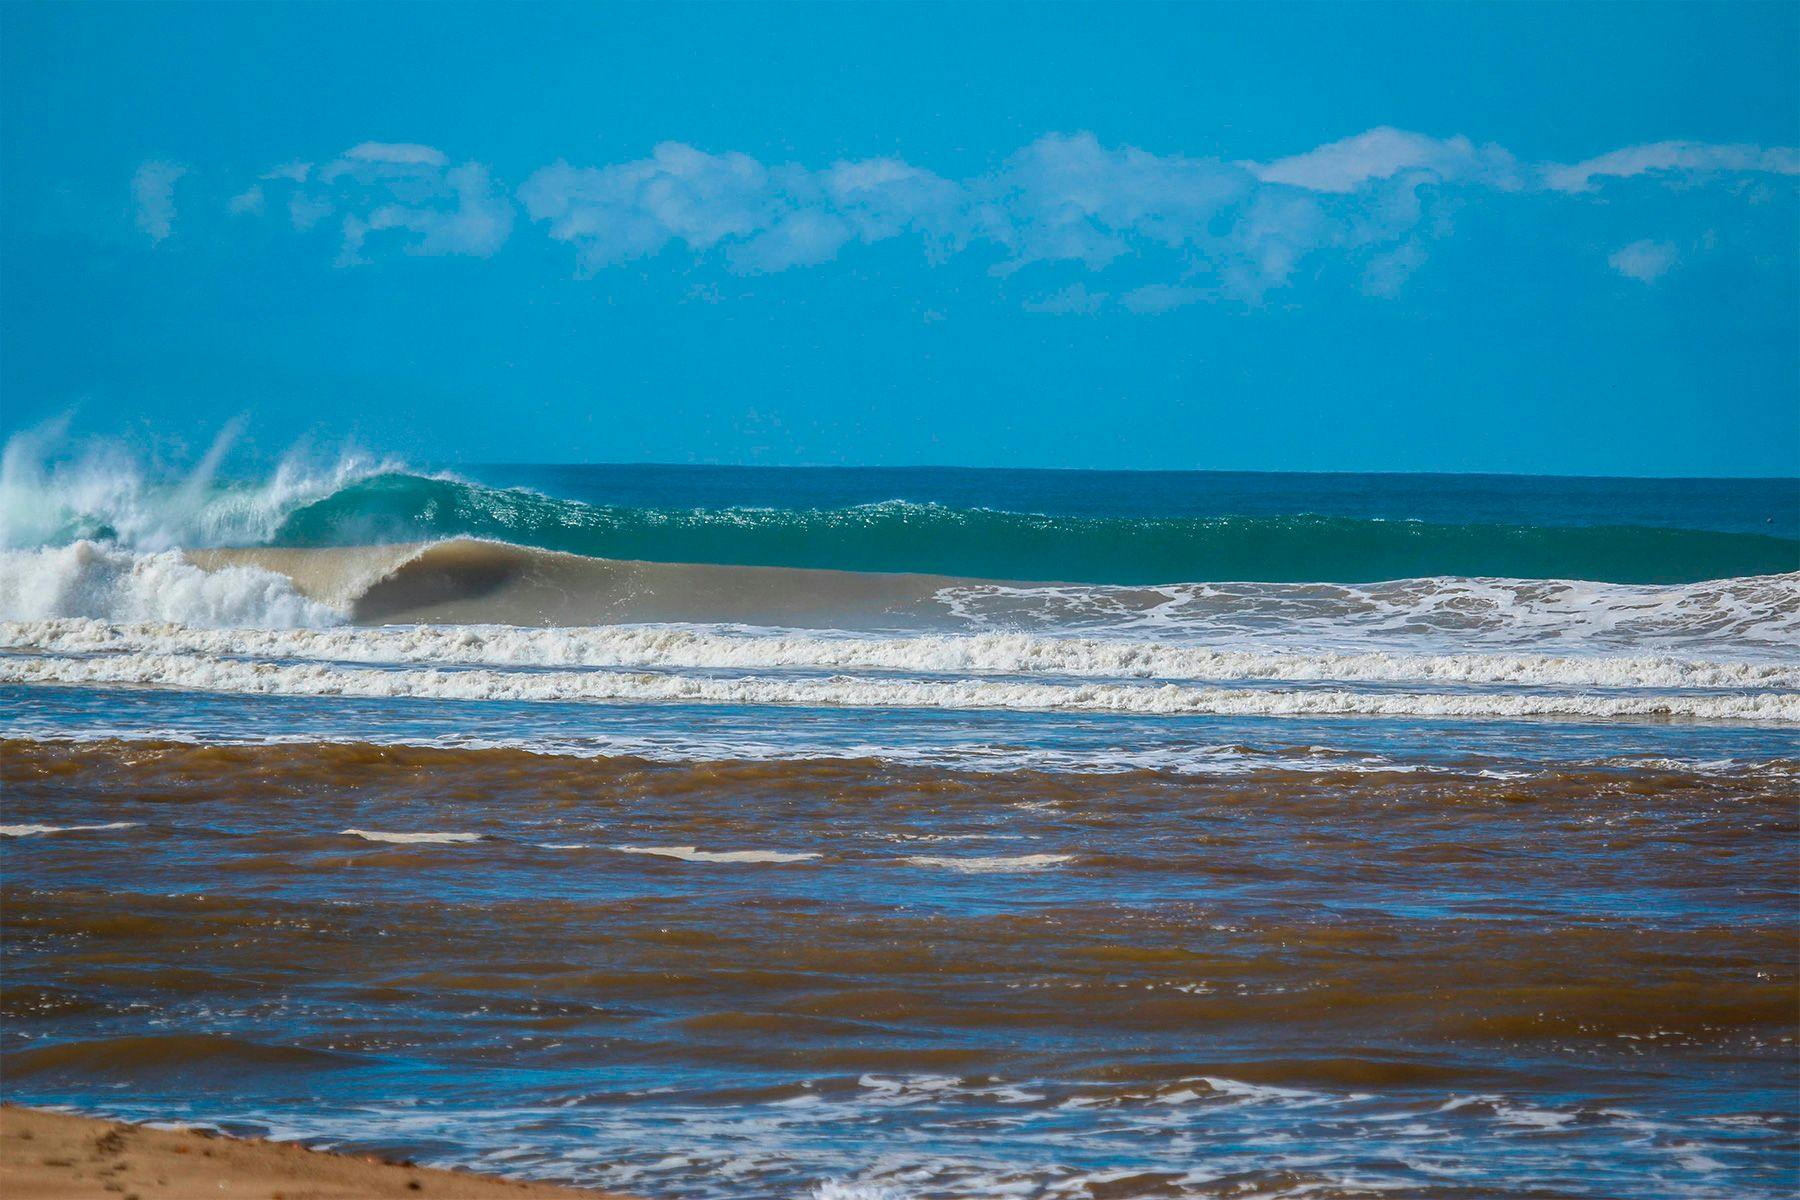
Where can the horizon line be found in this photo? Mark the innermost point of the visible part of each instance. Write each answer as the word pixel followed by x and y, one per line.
pixel 1795 479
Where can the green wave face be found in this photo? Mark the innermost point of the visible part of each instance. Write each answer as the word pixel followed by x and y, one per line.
pixel 903 536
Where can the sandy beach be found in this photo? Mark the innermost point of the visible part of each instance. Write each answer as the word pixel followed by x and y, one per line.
pixel 53 1156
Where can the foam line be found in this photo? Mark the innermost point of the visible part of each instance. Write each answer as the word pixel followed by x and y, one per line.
pixel 321 679
pixel 700 648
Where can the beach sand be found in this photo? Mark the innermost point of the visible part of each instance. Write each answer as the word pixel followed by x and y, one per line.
pixel 51 1156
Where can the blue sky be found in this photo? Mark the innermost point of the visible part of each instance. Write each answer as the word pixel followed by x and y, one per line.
pixel 1528 238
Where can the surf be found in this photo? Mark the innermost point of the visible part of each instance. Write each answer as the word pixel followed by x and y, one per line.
pixel 236 677
pixel 737 648
pixel 91 530
pixel 56 492
pixel 907 536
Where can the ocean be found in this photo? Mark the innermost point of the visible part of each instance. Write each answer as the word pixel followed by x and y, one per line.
pixel 874 834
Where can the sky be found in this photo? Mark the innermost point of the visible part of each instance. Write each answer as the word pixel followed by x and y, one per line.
pixel 1545 239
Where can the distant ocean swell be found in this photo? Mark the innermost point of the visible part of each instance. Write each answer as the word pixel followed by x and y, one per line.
pixel 362 502
pixel 982 543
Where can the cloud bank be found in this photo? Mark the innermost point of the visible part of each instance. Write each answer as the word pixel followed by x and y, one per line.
pixel 1203 228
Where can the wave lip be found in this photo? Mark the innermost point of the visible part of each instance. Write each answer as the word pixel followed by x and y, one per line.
pixel 107 493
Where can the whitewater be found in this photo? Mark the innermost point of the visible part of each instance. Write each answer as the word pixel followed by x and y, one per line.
pixel 315 580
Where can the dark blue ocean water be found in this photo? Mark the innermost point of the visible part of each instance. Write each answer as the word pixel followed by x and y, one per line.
pixel 1769 506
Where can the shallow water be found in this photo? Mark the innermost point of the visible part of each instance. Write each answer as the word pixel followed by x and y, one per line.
pixel 1478 966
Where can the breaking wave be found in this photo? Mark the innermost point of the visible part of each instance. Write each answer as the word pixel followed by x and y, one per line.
pixel 471 583
pixel 900 535
pixel 52 495
pixel 102 553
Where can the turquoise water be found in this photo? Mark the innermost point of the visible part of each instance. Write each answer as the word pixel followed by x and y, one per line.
pixel 1086 527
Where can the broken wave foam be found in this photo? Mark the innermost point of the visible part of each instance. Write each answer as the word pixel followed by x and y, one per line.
pixel 94 531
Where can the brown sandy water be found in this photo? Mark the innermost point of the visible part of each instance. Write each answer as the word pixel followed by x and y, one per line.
pixel 749 977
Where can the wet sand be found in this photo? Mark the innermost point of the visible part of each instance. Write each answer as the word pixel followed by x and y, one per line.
pixel 52 1156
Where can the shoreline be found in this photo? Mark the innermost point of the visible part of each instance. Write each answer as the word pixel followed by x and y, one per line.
pixel 58 1156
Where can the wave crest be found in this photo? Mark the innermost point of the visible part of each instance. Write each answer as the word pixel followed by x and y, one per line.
pixel 467 582
pixel 54 493
pixel 904 536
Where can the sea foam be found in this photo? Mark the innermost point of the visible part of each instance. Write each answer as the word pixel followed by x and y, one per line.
pixel 104 582
pixel 37 830
pixel 54 491
pixel 1020 654
pixel 324 679
pixel 993 863
pixel 692 854
pixel 407 839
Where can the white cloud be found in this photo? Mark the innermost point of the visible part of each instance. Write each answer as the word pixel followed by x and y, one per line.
pixel 629 210
pixel 153 194
pixel 884 197
pixel 1277 230
pixel 377 188
pixel 397 154
pixel 800 238
pixel 1068 198
pixel 250 200
pixel 478 225
pixel 1383 153
pixel 1366 208
pixel 1645 261
pixel 305 211
pixel 1674 159
pixel 1387 272
pixel 1060 199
